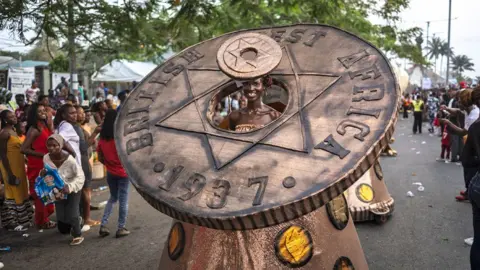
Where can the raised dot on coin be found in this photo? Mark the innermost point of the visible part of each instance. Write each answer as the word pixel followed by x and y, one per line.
pixel 159 167
pixel 289 182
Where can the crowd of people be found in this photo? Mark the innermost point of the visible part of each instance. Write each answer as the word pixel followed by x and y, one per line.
pixel 56 131
pixel 454 116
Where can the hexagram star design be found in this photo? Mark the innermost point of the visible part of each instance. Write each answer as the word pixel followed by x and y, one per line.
pixel 297 72
pixel 240 62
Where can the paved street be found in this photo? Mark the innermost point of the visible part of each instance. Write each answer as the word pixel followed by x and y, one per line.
pixel 425 232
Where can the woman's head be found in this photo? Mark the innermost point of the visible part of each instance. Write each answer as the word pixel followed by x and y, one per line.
pixel 465 99
pixel 36 113
pixel 253 90
pixel 475 96
pixel 99 107
pixel 8 118
pixel 20 128
pixel 80 115
pixel 107 126
pixel 55 144
pixel 65 113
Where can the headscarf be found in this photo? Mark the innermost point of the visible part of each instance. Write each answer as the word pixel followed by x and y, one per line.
pixel 58 138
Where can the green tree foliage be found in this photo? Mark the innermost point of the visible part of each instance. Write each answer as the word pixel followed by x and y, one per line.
pixel 102 27
pixel 59 64
pixel 196 20
pixel 461 63
pixel 434 49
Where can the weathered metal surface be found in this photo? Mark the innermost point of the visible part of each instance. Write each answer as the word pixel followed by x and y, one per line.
pixel 340 114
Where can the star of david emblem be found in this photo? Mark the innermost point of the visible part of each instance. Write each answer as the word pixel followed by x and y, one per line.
pixel 304 86
pixel 241 64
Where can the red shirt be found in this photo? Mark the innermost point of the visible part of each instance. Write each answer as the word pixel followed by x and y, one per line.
pixel 110 157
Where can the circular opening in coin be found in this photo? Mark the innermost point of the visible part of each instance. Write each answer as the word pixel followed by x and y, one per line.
pixel 249 54
pixel 242 107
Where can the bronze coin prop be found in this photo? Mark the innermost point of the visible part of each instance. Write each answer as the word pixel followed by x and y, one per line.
pixel 176 241
pixel 343 263
pixel 249 56
pixel 338 212
pixel 343 99
pixel 378 170
pixel 294 246
pixel 365 193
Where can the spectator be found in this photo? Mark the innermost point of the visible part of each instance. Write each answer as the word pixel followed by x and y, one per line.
pixel 100 92
pixel 67 210
pixel 87 170
pixel 99 110
pixel 465 103
pixel 34 148
pixel 64 120
pixel 20 111
pixel 81 92
pixel 63 84
pixel 44 100
pixel 122 96
pixel 32 93
pixel 21 131
pixel 117 178
pixel 17 211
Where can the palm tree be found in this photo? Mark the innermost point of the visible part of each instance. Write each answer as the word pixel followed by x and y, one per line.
pixel 460 63
pixel 445 51
pixel 434 47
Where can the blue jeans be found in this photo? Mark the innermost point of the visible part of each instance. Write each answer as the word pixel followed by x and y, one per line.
pixel 474 196
pixel 118 192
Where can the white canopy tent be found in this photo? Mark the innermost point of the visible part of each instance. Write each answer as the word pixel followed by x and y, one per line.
pixel 123 71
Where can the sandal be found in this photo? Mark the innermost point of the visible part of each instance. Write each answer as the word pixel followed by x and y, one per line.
pixel 93 223
pixel 77 241
pixel 48 225
pixel 19 228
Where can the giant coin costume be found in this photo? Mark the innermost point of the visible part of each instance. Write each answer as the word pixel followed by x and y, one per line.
pixel 254 184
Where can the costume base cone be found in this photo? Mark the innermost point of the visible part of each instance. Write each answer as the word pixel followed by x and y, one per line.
pixel 326 246
pixel 368 199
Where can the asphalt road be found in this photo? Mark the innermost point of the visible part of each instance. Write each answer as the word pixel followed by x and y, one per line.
pixel 425 232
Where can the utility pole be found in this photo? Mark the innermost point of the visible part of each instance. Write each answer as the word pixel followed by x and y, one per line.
pixel 449 46
pixel 428 30
pixel 72 49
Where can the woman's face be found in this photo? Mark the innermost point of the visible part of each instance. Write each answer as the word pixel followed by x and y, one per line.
pixel 53 147
pixel 253 90
pixel 80 115
pixel 41 112
pixel 11 118
pixel 70 115
pixel 103 106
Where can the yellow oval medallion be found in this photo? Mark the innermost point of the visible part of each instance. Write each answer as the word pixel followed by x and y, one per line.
pixel 365 193
pixel 338 212
pixel 293 246
pixel 176 241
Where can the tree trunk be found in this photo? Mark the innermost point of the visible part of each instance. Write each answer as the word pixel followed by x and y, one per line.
pixel 71 49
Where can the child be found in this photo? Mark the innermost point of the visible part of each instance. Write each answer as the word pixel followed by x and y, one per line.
pixel 20 129
pixel 445 146
pixel 68 212
pixel 117 178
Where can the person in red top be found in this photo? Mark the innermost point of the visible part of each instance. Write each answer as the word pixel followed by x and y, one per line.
pixel 117 178
pixel 35 147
